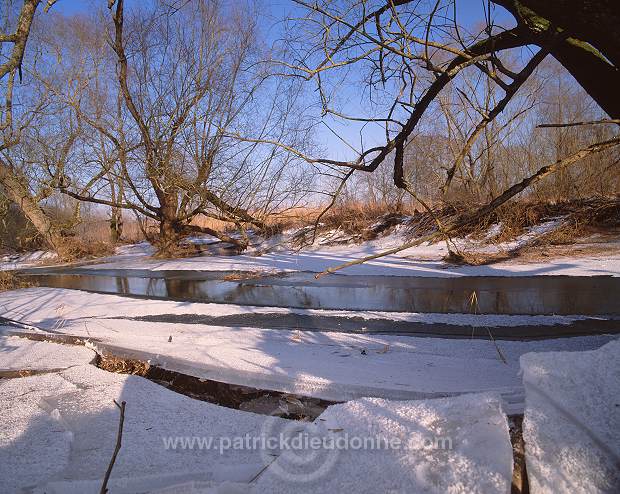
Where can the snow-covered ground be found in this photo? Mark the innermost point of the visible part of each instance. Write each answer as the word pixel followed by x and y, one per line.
pixel 424 260
pixel 59 426
pixel 278 254
pixel 443 445
pixel 572 420
pixel 19 354
pixel 329 365
pixel 59 431
pixel 29 259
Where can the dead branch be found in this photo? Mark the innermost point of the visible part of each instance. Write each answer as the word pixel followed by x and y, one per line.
pixel 483 211
pixel 499 108
pixel 117 448
pixel 576 124
pixel 19 38
pixel 222 236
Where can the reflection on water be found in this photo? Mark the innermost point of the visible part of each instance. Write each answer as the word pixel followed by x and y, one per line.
pixel 496 295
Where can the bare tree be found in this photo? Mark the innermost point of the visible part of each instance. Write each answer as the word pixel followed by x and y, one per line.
pixel 17 119
pixel 407 54
pixel 187 79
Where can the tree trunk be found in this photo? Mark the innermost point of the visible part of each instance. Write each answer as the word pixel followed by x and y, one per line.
pixel 169 237
pixel 592 51
pixel 170 228
pixel 116 213
pixel 116 225
pixel 16 190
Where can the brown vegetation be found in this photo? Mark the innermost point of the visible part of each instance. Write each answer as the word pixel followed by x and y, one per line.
pixel 8 281
pixel 73 249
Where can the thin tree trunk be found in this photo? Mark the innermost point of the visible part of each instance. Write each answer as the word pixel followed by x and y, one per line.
pixel 116 213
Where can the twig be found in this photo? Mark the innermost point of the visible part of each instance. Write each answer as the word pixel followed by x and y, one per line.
pixel 575 124
pixel 473 302
pixel 483 211
pixel 331 204
pixel 117 448
pixel 414 243
pixel 20 324
pixel 260 472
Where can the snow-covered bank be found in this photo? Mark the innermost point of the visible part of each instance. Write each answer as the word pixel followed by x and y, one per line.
pixel 390 265
pixel 281 254
pixel 572 420
pixel 26 260
pixel 424 260
pixel 330 365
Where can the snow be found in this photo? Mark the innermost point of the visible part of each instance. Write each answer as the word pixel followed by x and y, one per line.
pixel 331 248
pixel 59 431
pixel 18 354
pixel 329 365
pixel 332 366
pixel 58 304
pixel 488 246
pixel 278 254
pixel 69 419
pixel 32 446
pixel 424 260
pixel 443 445
pixel 61 428
pixel 572 420
pixel 151 484
pixel 140 249
pixel 493 231
pixel 29 259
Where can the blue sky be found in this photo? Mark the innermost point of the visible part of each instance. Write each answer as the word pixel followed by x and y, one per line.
pixel 470 14
pixel 469 11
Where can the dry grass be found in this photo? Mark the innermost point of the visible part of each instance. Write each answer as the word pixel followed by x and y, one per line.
pixel 360 221
pixel 8 281
pixel 581 218
pixel 357 222
pixel 355 217
pixel 74 249
pixel 240 276
pixel 276 222
pixel 98 230
pixel 119 365
pixel 214 224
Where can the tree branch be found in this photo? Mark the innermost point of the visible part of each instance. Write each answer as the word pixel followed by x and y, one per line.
pixel 509 193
